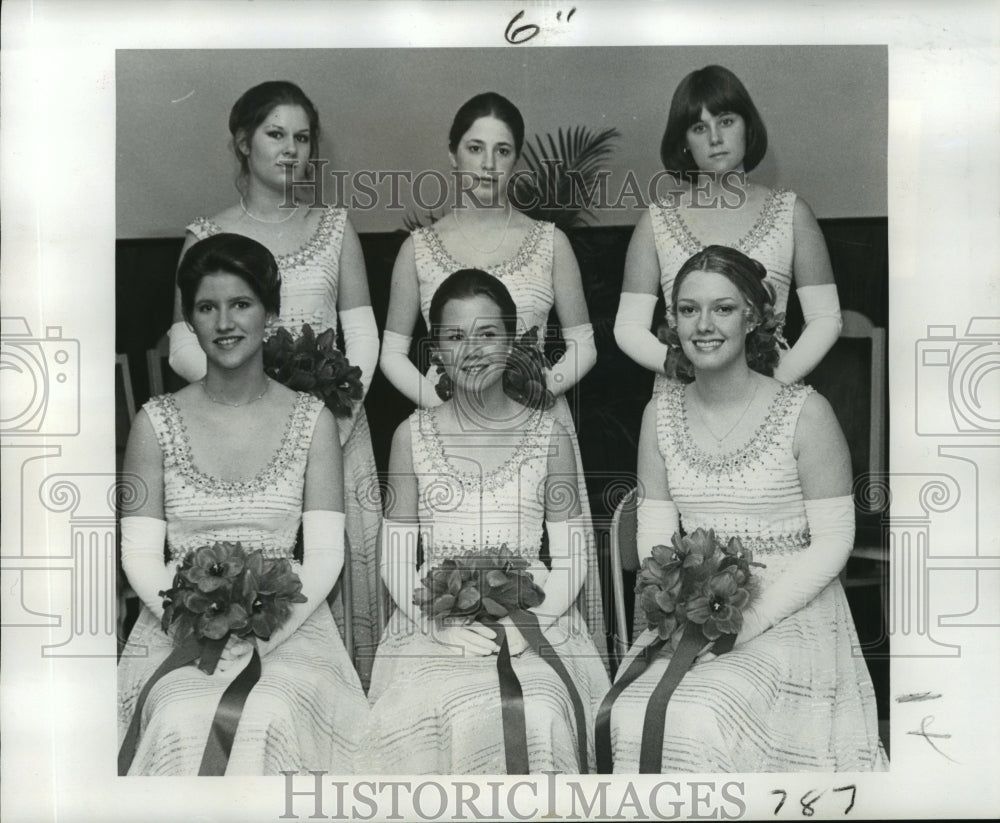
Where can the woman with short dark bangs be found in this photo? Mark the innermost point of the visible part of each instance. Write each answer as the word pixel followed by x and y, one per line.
pixel 713 139
pixel 275 133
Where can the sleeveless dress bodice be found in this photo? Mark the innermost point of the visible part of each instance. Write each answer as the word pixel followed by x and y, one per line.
pixel 770 240
pixel 527 275
pixel 463 508
pixel 262 513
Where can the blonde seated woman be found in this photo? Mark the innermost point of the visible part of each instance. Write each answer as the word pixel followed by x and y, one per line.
pixel 727 447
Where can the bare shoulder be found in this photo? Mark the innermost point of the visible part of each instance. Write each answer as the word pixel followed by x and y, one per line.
pixel 816 419
pixel 227 218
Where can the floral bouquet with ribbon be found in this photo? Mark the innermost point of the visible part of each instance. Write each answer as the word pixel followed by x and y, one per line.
pixel 314 364
pixel 486 587
pixel 692 592
pixel 219 591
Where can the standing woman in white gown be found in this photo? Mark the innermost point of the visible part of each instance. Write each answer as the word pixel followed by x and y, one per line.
pixel 237 457
pixel 275 133
pixel 713 139
pixel 532 258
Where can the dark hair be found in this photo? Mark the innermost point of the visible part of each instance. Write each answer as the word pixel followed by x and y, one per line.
pixel 718 90
pixel 487 104
pixel 748 276
pixel 257 103
pixel 230 254
pixel 524 375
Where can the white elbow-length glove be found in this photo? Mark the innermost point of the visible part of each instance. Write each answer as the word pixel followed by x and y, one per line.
pixel 400 371
pixel 831 528
pixel 186 356
pixel 361 341
pixel 632 322
pixel 142 560
pixel 322 562
pixel 568 558
pixel 579 358
pixel 657 521
pixel 821 312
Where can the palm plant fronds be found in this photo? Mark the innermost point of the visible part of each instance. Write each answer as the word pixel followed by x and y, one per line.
pixel 565 171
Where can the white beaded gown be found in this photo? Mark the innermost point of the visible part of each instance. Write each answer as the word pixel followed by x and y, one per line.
pixel 796 697
pixel 770 241
pixel 435 711
pixel 308 710
pixel 528 277
pixel 310 282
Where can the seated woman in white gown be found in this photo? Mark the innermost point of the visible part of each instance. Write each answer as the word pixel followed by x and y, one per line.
pixel 727 447
pixel 490 467
pixel 237 457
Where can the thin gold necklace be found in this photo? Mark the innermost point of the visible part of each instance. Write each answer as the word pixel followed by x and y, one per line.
pixel 729 431
pixel 246 211
pixel 506 226
pixel 208 394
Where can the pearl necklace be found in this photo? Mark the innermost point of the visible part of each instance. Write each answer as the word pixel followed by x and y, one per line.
pixel 506 226
pixel 246 211
pixel 204 388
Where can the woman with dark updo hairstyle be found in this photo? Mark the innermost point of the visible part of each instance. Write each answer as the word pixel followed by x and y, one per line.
pixel 484 470
pixel 236 458
pixel 275 134
pixel 713 139
pixel 533 259
pixel 728 447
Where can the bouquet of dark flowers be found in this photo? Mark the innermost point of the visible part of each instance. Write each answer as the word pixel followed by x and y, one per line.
pixel 692 592
pixel 221 590
pixel 218 591
pixel 484 587
pixel 314 364
pixel 487 587
pixel 696 579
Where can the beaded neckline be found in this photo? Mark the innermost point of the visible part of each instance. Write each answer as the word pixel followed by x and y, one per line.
pixel 319 240
pixel 278 464
pixel 762 439
pixel 762 225
pixel 492 477
pixel 447 261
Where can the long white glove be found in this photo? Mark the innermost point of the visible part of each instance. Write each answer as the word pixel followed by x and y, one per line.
pixel 322 561
pixel 831 526
pixel 632 322
pixel 186 357
pixel 580 357
pixel 361 341
pixel 398 564
pixel 567 552
pixel 657 520
pixel 142 560
pixel 400 371
pixel 821 312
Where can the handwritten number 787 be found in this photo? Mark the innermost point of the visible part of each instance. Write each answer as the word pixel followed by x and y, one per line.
pixel 810 798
